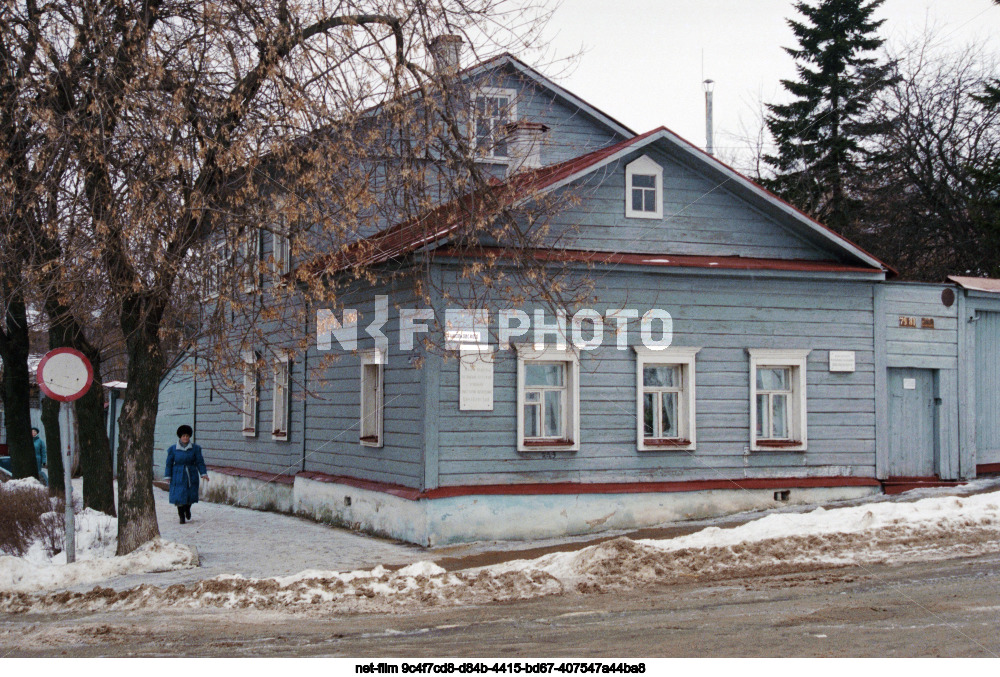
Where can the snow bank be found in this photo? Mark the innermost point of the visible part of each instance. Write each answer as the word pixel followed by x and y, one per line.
pixel 777 544
pixel 22 574
pixel 423 584
pixel 96 544
pixel 784 542
pixel 25 483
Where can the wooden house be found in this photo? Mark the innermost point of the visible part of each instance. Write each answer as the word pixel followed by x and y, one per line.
pixel 795 372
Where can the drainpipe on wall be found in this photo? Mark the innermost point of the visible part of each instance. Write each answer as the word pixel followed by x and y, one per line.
pixel 305 390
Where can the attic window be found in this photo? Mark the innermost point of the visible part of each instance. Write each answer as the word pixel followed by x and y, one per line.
pixel 643 189
pixel 493 109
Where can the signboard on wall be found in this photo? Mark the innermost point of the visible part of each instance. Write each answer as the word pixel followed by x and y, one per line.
pixel 842 360
pixel 475 378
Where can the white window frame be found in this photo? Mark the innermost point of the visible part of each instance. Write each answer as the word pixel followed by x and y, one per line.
pixel 684 358
pixel 280 401
pixel 250 394
pixel 217 260
pixel 644 166
pixel 251 259
pixel 281 242
pixel 487 154
pixel 527 353
pixel 368 358
pixel 795 360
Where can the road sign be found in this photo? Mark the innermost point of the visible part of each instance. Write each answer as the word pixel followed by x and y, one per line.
pixel 64 374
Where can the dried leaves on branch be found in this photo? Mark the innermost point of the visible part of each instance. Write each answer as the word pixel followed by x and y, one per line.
pixel 148 145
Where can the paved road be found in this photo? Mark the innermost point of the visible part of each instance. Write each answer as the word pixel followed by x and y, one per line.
pixel 948 608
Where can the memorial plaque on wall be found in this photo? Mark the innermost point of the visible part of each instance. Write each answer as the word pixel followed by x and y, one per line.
pixel 475 379
pixel 842 360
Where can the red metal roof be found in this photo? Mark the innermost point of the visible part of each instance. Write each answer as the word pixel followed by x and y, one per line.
pixel 444 221
pixel 661 260
pixel 441 223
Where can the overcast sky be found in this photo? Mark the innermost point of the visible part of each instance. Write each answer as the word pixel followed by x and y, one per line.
pixel 642 59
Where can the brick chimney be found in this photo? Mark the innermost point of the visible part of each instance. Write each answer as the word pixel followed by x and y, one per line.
pixel 524 145
pixel 446 54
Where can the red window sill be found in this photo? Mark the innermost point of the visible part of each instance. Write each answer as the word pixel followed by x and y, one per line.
pixel 369 438
pixel 778 444
pixel 548 443
pixel 666 442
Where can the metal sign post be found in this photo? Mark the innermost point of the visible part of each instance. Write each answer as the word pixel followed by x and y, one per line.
pixel 66 432
pixel 65 375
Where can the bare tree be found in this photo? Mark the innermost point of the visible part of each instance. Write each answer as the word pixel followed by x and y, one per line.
pixel 932 185
pixel 183 128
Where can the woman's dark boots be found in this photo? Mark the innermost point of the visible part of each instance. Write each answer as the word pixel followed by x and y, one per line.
pixel 182 512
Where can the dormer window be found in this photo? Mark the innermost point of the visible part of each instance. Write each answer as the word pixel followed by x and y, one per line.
pixel 493 109
pixel 644 189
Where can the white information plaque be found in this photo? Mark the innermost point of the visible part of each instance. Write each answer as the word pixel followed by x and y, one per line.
pixel 475 379
pixel 909 384
pixel 841 360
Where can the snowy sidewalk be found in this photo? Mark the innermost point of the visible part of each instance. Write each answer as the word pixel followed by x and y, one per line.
pixel 260 544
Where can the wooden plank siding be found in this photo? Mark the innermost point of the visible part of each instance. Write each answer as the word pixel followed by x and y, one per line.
pixel 571 131
pixel 925 348
pixel 331 444
pixel 219 418
pixel 700 217
pixel 175 408
pixel 724 316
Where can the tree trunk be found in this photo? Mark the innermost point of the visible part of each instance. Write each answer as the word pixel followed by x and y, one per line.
pixel 95 448
pixel 136 507
pixel 53 443
pixel 16 390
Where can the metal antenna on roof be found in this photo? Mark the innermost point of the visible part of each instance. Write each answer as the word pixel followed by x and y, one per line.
pixel 709 86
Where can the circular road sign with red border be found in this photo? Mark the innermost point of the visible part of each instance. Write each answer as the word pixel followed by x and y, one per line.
pixel 65 374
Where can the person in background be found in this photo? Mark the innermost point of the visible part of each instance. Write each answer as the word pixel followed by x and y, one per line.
pixel 184 465
pixel 41 456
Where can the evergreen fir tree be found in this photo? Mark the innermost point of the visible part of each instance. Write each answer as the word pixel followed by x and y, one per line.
pixel 820 134
pixel 991 97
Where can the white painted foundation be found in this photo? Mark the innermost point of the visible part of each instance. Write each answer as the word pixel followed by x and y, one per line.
pixel 474 518
pixel 372 511
pixel 247 492
pixel 461 519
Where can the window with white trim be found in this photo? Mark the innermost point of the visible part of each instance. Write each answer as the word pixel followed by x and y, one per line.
pixel 492 110
pixel 280 403
pixel 216 269
pixel 548 399
pixel 251 259
pixel 372 398
pixel 250 386
pixel 778 399
pixel 643 189
pixel 281 251
pixel 665 398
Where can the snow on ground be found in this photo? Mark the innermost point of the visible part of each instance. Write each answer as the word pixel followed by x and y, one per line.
pixel 876 532
pixel 96 542
pixel 880 531
pixel 223 539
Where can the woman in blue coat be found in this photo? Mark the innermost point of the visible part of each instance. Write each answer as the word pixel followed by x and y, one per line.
pixel 184 465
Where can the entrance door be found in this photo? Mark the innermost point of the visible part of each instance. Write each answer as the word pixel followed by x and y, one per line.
pixel 988 388
pixel 911 423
